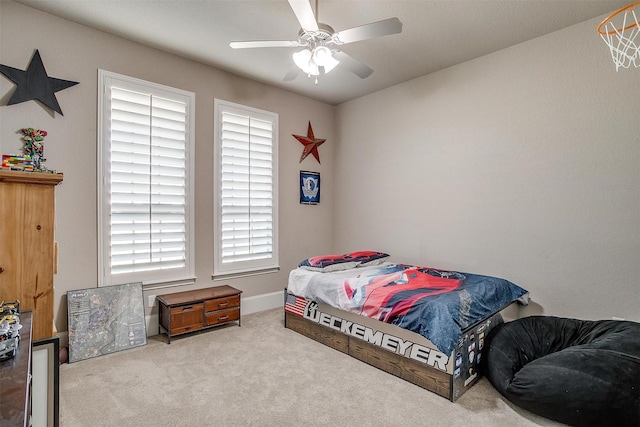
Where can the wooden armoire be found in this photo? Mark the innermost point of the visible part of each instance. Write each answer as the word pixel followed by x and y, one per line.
pixel 27 246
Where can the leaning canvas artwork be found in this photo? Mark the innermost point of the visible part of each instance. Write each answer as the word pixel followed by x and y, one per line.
pixel 105 320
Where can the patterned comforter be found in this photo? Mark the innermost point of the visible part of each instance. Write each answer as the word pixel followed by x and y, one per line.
pixel 434 303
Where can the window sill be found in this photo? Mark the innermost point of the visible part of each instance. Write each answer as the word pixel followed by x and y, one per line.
pixel 169 284
pixel 235 275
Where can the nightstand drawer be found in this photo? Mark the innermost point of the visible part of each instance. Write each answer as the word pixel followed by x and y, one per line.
pixel 181 330
pixel 186 316
pixel 222 303
pixel 222 317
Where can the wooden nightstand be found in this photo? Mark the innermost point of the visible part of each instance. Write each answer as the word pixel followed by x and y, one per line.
pixel 190 311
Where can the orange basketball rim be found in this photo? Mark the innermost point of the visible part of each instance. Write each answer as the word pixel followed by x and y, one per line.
pixel 619 31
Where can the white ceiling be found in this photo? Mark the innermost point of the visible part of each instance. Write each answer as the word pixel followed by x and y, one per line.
pixel 436 33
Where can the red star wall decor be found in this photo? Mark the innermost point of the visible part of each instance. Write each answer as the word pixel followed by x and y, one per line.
pixel 310 143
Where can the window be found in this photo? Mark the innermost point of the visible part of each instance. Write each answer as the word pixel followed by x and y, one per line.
pixel 145 182
pixel 245 183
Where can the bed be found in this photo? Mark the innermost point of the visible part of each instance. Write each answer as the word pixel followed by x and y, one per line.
pixel 425 325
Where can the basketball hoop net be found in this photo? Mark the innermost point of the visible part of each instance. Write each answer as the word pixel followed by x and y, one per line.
pixel 619 31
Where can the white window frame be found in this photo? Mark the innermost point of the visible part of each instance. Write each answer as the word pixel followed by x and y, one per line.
pixel 250 267
pixel 158 277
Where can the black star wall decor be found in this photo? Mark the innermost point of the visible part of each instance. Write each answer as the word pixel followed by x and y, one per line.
pixel 35 84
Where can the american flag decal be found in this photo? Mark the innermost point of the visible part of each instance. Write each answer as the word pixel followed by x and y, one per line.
pixel 295 305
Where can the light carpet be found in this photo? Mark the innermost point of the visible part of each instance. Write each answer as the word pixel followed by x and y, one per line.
pixel 261 374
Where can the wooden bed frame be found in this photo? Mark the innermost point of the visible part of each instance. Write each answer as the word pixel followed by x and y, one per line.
pixel 397 351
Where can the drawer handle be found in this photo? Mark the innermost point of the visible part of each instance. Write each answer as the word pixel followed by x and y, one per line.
pixel 223 318
pixel 187 308
pixel 223 304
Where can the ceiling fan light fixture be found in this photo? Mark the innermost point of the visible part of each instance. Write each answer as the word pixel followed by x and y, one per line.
pixel 313 69
pixel 330 63
pixel 321 55
pixel 304 60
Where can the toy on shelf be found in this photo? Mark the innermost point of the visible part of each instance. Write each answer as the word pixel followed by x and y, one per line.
pixel 15 162
pixel 34 146
pixel 9 329
pixel 32 158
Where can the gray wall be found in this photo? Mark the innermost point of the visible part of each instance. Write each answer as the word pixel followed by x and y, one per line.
pixel 523 164
pixel 75 52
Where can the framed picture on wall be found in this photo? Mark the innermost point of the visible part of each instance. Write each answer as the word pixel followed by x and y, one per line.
pixel 309 188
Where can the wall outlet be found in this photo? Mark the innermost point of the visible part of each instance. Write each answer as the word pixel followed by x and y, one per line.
pixel 151 300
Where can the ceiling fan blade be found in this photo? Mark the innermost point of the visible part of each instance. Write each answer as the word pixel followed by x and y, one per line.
pixel 368 31
pixel 304 13
pixel 264 43
pixel 291 75
pixel 356 67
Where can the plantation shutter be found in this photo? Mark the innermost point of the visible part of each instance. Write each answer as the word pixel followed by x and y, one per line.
pixel 247 188
pixel 246 182
pixel 147 183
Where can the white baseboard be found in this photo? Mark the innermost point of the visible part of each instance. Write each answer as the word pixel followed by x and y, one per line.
pixel 248 305
pixel 262 302
pixel 152 324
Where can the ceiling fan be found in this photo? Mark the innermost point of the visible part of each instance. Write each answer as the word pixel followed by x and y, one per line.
pixel 319 42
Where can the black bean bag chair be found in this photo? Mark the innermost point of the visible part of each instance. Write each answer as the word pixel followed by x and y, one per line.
pixel 578 372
